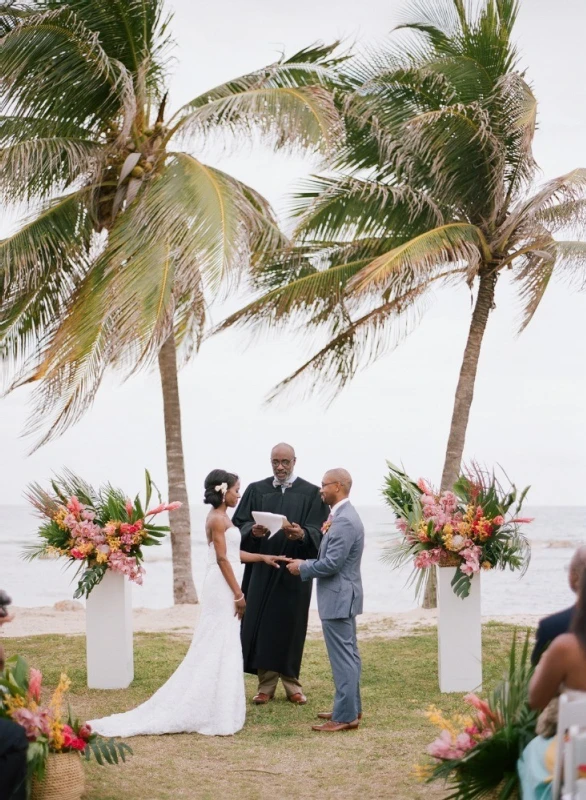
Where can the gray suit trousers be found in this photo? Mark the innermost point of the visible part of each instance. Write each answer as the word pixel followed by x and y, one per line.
pixel 340 636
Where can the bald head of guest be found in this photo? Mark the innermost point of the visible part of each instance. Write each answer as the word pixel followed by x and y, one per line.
pixel 335 486
pixel 283 461
pixel 577 568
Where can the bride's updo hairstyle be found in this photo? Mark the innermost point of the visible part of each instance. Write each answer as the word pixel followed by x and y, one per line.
pixel 216 485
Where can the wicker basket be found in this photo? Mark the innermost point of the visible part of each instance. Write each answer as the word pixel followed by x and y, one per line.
pixel 63 779
pixel 449 559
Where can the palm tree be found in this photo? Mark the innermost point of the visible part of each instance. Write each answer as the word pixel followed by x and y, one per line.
pixel 128 237
pixel 434 185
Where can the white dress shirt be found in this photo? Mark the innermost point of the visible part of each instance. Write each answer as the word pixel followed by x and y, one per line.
pixel 338 505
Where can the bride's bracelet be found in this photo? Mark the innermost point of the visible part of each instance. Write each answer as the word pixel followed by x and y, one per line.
pixel 238 599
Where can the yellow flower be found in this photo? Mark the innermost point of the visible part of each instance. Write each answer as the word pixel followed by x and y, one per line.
pixel 422 772
pixel 436 717
pixel 486 565
pixel 448 530
pixel 57 699
pixel 114 543
pixel 12 703
pixel 59 517
pixel 101 558
pixel 57 735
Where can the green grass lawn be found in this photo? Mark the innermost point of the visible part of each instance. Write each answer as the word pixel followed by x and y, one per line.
pixel 276 755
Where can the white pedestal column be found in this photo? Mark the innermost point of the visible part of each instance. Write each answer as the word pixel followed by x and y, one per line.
pixel 459 635
pixel 110 658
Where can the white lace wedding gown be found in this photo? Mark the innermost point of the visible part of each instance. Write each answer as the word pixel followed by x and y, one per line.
pixel 205 694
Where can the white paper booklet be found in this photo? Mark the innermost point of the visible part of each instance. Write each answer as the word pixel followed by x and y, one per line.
pixel 274 522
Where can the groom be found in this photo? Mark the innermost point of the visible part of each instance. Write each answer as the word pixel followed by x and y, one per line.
pixel 339 598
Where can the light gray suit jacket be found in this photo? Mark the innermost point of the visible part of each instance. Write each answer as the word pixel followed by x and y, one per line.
pixel 337 567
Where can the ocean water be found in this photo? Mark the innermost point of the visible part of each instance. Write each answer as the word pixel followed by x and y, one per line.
pixel 543 589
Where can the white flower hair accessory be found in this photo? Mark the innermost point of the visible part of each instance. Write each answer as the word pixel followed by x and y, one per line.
pixel 223 487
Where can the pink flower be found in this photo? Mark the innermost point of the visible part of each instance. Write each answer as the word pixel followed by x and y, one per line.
pixel 498 520
pixel 485 712
pixel 88 515
pixel 85 732
pixel 523 520
pixel 401 525
pixel 449 501
pixel 35 723
pixel 129 507
pixel 424 486
pixel 35 679
pixel 74 505
pixel 71 521
pixel 427 558
pixel 77 553
pixel 164 507
pixel 71 740
pixel 120 562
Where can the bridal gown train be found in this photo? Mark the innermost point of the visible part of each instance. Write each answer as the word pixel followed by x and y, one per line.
pixel 206 692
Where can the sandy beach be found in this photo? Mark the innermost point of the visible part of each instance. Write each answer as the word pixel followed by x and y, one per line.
pixel 67 618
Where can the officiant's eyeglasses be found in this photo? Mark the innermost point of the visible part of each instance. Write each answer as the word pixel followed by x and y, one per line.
pixel 286 462
pixel 331 483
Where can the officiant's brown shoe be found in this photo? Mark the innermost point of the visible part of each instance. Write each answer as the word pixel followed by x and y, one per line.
pixel 329 715
pixel 333 727
pixel 297 698
pixel 261 699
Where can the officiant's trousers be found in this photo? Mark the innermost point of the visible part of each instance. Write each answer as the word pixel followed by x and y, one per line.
pixel 342 644
pixel 268 680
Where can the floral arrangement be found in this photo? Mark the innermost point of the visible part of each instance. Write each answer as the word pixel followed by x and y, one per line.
pixel 471 527
pixel 477 753
pixel 47 729
pixel 97 530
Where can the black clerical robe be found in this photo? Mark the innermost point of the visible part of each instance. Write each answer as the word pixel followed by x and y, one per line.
pixel 277 603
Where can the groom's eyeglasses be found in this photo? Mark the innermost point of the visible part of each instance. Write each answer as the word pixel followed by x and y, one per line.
pixel 331 483
pixel 284 461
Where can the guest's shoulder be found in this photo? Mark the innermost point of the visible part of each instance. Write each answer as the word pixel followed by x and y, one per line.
pixel 557 621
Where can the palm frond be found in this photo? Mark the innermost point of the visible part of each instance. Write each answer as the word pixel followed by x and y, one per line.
pixel 288 103
pixel 452 244
pixel 59 39
pixel 360 342
pixel 302 299
pixel 348 208
pixel 40 265
pixel 37 168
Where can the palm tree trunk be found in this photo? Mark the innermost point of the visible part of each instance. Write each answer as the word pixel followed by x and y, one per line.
pixel 465 394
pixel 183 585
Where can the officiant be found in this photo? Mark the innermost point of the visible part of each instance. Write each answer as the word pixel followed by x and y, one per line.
pixel 277 604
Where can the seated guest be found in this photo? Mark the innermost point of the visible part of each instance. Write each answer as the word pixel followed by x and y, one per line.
pixel 562 668
pixel 556 624
pixel 13 752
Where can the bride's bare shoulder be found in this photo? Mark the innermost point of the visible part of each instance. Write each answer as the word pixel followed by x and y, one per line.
pixel 217 523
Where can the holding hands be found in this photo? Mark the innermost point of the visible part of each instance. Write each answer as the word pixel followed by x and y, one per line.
pixel 293 566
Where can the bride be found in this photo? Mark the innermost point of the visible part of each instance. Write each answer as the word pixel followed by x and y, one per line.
pixel 206 692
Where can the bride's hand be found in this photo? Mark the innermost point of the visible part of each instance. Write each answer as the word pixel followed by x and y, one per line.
pixel 275 561
pixel 240 607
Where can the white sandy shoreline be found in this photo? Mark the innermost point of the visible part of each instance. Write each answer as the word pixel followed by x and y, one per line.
pixel 68 618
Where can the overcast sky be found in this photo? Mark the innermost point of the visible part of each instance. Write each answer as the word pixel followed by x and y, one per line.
pixel 529 411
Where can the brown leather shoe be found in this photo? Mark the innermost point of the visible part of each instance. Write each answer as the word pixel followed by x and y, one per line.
pixel 333 727
pixel 261 699
pixel 329 714
pixel 297 698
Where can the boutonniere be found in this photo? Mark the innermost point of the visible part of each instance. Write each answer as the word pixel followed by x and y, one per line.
pixel 326 526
